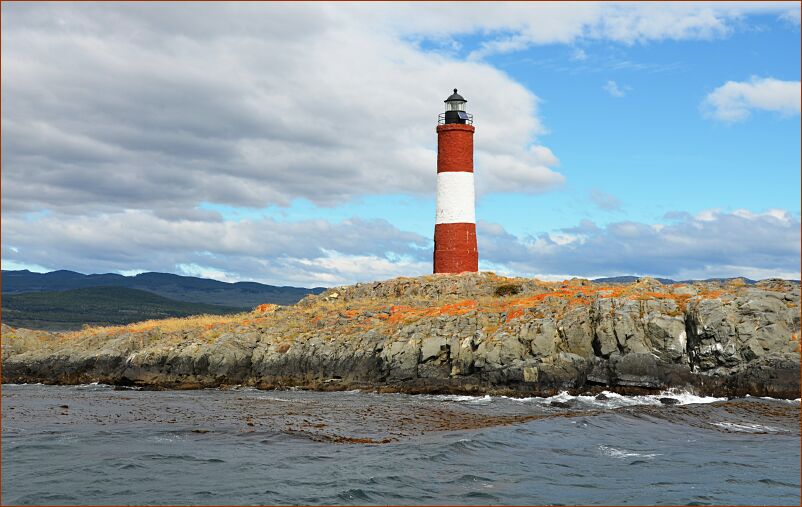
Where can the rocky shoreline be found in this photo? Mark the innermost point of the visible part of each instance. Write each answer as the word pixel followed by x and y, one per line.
pixel 474 333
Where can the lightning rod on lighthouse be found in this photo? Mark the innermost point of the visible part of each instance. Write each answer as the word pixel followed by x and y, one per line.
pixel 455 223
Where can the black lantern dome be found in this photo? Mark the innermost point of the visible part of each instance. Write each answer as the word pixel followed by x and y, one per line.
pixel 455 110
pixel 456 98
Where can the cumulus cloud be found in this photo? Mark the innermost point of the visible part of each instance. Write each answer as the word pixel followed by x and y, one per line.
pixel 613 89
pixel 501 172
pixel 308 252
pixel 144 106
pixel 734 100
pixel 523 25
pixel 167 105
pixel 317 252
pixel 710 244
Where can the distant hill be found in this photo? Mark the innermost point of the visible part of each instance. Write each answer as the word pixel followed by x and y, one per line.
pixel 631 279
pixel 180 288
pixel 71 309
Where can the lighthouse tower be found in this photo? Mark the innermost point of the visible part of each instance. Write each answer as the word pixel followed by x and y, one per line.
pixel 455 223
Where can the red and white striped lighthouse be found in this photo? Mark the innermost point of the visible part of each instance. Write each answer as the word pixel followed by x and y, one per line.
pixel 455 224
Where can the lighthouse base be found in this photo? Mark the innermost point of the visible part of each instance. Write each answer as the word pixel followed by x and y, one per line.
pixel 455 248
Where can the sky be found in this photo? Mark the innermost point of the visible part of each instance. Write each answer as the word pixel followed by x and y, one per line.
pixel 295 144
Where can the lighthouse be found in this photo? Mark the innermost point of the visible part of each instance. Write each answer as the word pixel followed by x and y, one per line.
pixel 455 222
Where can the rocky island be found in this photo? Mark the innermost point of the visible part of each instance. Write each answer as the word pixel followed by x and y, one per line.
pixel 471 333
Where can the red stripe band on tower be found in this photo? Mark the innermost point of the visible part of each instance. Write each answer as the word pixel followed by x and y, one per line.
pixel 455 248
pixel 455 147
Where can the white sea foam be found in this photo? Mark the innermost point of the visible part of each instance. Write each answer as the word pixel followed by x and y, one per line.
pixel 94 385
pixel 614 400
pixel 778 399
pixel 166 439
pixel 282 400
pixel 748 427
pixel 622 453
pixel 482 401
pixel 461 398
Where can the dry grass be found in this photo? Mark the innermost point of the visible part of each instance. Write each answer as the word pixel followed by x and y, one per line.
pixel 172 325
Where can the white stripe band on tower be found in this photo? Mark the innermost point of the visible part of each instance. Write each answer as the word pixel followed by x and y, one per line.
pixel 455 198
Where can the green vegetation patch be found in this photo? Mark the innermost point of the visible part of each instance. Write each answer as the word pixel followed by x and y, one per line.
pixel 96 306
pixel 508 289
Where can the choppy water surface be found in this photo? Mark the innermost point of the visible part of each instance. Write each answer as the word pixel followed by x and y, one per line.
pixel 95 445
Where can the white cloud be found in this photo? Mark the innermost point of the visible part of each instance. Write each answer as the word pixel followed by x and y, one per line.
pixel 14 265
pixel 316 252
pixel 162 106
pixel 520 25
pixel 159 105
pixel 309 252
pixel 530 170
pixel 605 201
pixel 197 270
pixel 338 269
pixel 710 244
pixel 734 100
pixel 709 215
pixel 579 55
pixel 130 272
pixel 613 89
pixel 791 16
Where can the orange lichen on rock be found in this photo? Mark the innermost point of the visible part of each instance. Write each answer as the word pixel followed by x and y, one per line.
pixel 568 293
pixel 400 313
pixel 459 308
pixel 265 308
pixel 514 314
pixel 139 327
pixel 611 292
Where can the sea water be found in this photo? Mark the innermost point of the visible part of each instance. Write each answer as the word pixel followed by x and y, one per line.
pixel 97 445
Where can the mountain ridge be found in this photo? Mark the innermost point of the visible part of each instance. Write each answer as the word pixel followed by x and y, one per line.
pixel 188 289
pixel 106 305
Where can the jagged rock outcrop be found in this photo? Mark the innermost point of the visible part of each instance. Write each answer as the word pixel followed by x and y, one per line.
pixel 470 333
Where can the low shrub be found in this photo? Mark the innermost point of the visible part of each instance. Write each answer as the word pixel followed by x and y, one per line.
pixel 508 289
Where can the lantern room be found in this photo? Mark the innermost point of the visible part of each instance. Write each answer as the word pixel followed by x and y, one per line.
pixel 455 111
